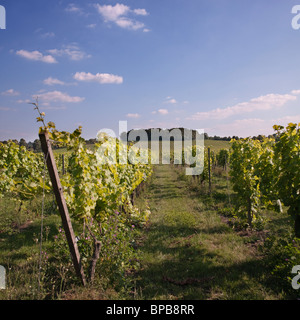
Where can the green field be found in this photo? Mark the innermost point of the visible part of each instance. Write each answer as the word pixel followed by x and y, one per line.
pixel 217 145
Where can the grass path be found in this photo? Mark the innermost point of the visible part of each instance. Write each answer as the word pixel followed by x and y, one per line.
pixel 188 252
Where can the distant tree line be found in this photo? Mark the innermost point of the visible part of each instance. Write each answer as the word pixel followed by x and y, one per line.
pixel 259 137
pixel 32 146
pixel 189 132
pixel 36 144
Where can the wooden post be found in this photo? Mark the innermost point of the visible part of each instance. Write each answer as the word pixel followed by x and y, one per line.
pixel 209 173
pixel 61 202
pixel 63 164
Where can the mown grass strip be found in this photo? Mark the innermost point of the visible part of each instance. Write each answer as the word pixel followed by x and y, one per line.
pixel 189 252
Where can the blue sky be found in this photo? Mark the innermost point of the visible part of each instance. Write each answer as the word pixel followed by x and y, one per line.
pixel 230 67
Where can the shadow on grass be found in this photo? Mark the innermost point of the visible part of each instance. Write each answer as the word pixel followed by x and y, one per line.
pixel 176 265
pixel 163 192
pixel 28 237
pixel 185 269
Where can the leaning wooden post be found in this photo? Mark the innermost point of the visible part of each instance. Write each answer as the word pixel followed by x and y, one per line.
pixel 62 205
pixel 63 164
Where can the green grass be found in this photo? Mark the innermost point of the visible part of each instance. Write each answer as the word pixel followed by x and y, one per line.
pixel 189 252
pixel 217 145
pixel 20 243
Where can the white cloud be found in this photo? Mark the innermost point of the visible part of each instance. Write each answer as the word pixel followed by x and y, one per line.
pixel 118 14
pixel 71 51
pixel 52 81
pixel 10 92
pixel 36 56
pixel 267 102
pixel 133 115
pixel 73 8
pixel 112 13
pixel 103 78
pixel 24 101
pixel 91 26
pixel 129 24
pixel 287 119
pixel 5 109
pixel 58 96
pixel 163 111
pixel 140 12
pixel 251 127
pixel 48 35
pixel 48 107
pixel 171 100
pixel 44 35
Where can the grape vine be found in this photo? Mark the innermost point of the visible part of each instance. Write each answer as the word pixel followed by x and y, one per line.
pixel 267 173
pixel 94 190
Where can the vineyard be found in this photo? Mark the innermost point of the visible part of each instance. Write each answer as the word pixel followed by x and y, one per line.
pixel 150 231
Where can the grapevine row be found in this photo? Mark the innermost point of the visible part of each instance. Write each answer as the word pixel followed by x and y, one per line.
pixel 94 189
pixel 267 173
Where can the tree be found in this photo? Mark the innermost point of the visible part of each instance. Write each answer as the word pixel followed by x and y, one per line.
pixel 37 145
pixel 23 143
pixel 30 145
pixel 91 141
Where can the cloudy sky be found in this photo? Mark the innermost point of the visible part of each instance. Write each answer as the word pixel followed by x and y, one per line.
pixel 230 67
